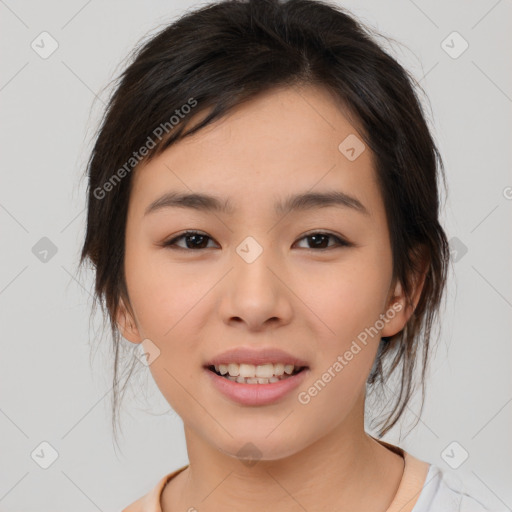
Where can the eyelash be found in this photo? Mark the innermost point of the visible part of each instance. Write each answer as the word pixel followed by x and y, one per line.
pixel 171 244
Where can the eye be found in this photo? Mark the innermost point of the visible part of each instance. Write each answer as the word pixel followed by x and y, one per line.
pixel 319 239
pixel 193 240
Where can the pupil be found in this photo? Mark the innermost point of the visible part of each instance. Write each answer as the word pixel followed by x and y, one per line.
pixel 194 237
pixel 316 238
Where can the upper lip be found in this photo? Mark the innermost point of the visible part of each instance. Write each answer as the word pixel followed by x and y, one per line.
pixel 255 356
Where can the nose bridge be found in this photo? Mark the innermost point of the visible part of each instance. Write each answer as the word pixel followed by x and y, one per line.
pixel 250 250
pixel 255 295
pixel 251 272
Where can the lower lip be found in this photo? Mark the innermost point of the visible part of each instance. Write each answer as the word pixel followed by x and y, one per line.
pixel 256 394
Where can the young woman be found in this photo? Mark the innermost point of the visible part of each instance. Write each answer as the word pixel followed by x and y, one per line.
pixel 263 219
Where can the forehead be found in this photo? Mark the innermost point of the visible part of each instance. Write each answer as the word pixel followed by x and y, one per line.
pixel 284 141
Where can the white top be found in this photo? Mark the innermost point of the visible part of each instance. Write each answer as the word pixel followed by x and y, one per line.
pixel 445 492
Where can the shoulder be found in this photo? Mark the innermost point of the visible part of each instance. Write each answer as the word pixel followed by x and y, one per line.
pixel 446 491
pixel 150 502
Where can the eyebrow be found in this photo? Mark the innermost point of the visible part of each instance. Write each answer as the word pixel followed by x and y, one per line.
pixel 299 202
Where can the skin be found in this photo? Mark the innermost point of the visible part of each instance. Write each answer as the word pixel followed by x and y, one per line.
pixel 196 303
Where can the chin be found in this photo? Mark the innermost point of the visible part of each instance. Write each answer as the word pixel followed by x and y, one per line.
pixel 259 447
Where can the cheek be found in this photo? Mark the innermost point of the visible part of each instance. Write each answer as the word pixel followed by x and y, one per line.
pixel 163 294
pixel 349 303
pixel 350 295
pixel 168 303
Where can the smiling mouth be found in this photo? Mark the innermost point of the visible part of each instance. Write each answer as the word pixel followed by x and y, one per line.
pixel 256 374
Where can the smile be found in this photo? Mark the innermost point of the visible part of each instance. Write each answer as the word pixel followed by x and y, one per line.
pixel 253 390
pixel 245 373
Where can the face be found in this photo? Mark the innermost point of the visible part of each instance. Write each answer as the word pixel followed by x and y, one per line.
pixel 312 278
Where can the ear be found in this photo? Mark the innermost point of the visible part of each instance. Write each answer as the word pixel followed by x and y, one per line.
pixel 398 310
pixel 126 324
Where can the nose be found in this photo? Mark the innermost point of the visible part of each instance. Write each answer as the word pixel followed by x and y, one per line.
pixel 255 293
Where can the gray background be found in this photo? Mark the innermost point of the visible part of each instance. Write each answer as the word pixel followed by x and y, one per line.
pixel 51 392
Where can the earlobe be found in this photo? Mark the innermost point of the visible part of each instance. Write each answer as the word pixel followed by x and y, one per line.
pixel 395 315
pixel 126 324
pixel 399 309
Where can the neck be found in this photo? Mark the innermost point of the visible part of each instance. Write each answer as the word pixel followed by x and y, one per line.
pixel 346 470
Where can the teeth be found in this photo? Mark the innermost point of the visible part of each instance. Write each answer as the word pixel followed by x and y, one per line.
pixel 288 368
pixel 234 369
pixel 255 374
pixel 265 371
pixel 247 370
pixel 255 380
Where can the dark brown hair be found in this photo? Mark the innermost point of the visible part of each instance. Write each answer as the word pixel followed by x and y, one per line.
pixel 223 55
